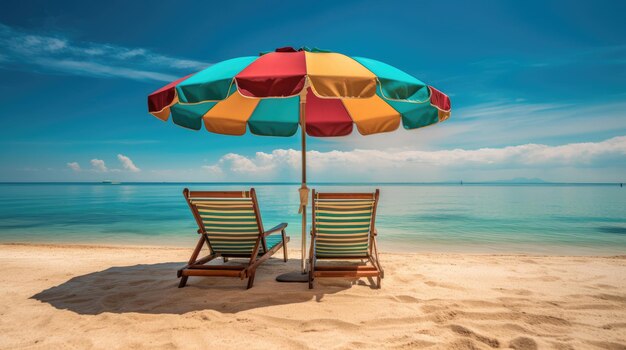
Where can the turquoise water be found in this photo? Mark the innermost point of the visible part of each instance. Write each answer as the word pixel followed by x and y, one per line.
pixel 496 218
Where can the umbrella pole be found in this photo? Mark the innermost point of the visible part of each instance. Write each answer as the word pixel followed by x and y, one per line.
pixel 304 191
pixel 301 276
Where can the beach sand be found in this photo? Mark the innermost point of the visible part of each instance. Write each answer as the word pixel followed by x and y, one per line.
pixel 64 296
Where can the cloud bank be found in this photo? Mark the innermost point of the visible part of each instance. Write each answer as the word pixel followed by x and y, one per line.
pixel 409 165
pixel 55 53
pixel 99 165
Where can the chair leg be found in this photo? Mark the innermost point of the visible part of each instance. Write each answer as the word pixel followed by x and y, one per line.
pixel 378 265
pixel 192 259
pixel 183 281
pixel 284 246
pixel 378 282
pixel 251 280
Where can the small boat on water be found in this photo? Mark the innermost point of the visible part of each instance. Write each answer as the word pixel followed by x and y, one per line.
pixel 109 182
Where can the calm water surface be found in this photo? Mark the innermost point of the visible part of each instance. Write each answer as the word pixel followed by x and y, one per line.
pixel 545 219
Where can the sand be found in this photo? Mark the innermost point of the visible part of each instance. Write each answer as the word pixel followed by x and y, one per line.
pixel 63 296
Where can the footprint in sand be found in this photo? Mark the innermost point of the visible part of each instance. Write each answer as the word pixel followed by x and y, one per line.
pixel 523 343
pixel 458 329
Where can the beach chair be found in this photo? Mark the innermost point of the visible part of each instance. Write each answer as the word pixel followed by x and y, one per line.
pixel 343 229
pixel 229 224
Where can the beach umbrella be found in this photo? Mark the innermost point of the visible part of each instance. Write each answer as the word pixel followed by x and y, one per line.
pixel 324 93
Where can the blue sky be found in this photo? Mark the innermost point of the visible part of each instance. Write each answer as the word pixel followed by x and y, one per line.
pixel 538 89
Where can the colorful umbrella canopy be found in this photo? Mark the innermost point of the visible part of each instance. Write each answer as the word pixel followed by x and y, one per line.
pixel 324 92
pixel 263 93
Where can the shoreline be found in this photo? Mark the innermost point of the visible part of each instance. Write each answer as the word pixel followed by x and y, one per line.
pixel 295 243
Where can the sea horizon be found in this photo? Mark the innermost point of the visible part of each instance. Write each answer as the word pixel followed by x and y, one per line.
pixel 228 183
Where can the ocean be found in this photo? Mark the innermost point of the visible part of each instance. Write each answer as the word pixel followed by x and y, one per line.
pixel 554 219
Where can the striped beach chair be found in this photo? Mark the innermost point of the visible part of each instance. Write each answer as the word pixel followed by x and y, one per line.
pixel 229 224
pixel 343 229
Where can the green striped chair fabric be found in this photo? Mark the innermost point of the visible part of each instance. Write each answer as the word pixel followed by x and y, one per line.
pixel 231 224
pixel 342 227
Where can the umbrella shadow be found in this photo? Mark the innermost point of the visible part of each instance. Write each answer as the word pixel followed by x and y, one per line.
pixel 152 289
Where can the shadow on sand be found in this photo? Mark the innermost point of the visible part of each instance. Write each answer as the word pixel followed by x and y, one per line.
pixel 152 289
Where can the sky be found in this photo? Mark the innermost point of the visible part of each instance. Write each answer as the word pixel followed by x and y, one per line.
pixel 538 89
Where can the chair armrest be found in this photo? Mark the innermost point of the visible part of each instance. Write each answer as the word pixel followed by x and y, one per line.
pixel 277 228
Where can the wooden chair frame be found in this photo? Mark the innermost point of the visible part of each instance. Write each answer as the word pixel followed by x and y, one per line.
pixel 198 267
pixel 349 271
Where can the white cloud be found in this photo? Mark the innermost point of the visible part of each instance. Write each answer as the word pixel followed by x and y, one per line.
pixel 409 165
pixel 261 166
pixel 214 169
pixel 60 54
pixel 74 166
pixel 102 70
pixel 241 164
pixel 127 163
pixel 98 165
